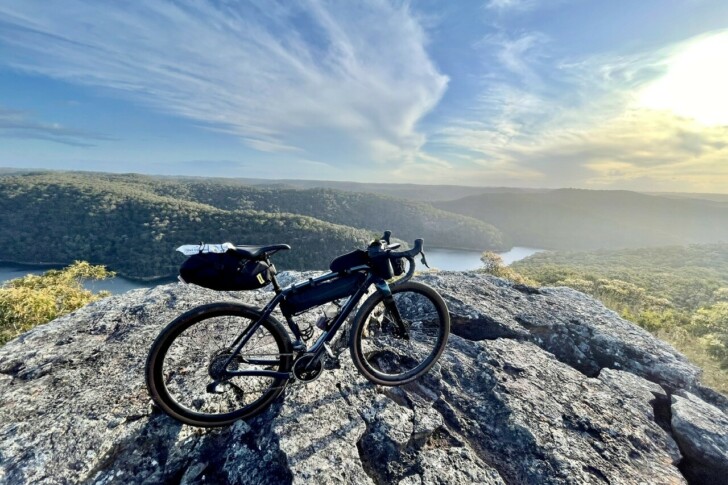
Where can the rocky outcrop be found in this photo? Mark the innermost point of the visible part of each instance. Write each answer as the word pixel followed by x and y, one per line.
pixel 536 386
pixel 702 432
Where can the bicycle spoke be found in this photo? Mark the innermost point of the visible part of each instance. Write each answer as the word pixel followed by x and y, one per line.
pixel 389 353
pixel 197 358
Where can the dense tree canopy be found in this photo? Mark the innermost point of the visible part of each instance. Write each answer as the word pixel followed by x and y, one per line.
pixel 133 223
pixel 679 293
pixel 570 219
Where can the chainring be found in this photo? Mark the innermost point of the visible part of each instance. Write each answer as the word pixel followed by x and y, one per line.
pixel 307 375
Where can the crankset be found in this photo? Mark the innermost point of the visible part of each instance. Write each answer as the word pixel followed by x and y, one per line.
pixel 306 370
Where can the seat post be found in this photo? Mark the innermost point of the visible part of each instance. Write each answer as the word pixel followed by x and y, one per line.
pixel 273 279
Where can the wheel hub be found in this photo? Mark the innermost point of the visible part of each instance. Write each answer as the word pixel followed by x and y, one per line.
pixel 216 369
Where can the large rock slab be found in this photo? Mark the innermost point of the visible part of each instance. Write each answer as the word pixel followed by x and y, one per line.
pixel 701 430
pixel 74 409
pixel 576 328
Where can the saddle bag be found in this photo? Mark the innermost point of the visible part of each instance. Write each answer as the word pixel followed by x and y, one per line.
pixel 225 272
pixel 315 294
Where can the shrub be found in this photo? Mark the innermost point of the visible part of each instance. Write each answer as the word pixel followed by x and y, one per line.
pixel 36 299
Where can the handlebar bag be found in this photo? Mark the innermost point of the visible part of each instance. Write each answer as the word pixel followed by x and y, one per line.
pixel 382 266
pixel 315 294
pixel 225 272
pixel 349 260
pixel 398 266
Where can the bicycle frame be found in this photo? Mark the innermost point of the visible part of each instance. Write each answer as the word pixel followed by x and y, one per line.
pixel 319 346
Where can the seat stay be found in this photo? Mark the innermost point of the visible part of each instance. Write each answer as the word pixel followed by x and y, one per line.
pixel 252 327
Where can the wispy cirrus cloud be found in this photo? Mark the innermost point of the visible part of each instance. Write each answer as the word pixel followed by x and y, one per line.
pixel 20 124
pixel 522 5
pixel 276 74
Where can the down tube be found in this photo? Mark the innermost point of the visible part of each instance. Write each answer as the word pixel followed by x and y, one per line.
pixel 345 312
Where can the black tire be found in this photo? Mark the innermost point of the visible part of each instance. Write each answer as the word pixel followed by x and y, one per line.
pixel 184 356
pixel 387 359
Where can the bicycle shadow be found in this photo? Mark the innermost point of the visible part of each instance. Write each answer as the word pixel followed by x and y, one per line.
pixel 164 450
pixel 321 415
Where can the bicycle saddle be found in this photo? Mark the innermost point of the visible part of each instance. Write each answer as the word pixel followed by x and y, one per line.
pixel 258 252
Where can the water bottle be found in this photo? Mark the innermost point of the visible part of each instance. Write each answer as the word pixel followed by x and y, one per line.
pixel 330 312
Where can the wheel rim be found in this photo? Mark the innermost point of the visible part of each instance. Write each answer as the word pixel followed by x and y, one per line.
pixel 191 373
pixel 391 357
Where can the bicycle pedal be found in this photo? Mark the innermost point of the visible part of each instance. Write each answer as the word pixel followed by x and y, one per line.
pixel 332 363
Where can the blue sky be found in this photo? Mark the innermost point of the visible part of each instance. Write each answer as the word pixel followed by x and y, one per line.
pixel 552 93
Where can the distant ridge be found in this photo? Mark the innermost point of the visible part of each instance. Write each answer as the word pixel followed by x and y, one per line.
pixel 595 219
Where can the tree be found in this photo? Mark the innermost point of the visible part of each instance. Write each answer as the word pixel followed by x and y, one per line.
pixel 36 299
pixel 493 264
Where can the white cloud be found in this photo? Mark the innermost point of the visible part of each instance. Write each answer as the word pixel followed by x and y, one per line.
pixel 511 4
pixel 20 124
pixel 522 5
pixel 277 74
pixel 518 55
pixel 583 123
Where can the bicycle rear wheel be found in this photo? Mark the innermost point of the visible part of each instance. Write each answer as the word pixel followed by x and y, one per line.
pixel 392 350
pixel 185 364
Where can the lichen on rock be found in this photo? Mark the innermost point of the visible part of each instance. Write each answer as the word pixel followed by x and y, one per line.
pixel 535 386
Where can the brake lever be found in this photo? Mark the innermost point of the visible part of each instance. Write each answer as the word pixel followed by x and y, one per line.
pixel 424 260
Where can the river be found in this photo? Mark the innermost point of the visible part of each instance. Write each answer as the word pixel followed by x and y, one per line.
pixel 445 259
pixel 118 284
pixel 459 260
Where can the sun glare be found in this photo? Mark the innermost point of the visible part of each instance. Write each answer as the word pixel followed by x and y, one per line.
pixel 696 82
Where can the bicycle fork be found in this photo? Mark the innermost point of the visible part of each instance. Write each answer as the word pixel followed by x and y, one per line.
pixel 391 307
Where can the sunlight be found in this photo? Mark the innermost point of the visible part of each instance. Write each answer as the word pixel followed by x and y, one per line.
pixel 696 83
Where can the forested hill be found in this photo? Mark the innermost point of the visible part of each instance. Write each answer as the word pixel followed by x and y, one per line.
pixel 133 223
pixel 418 192
pixel 680 293
pixel 409 219
pixel 59 220
pixel 592 219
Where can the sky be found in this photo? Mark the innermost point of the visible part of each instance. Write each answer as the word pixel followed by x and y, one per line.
pixel 617 94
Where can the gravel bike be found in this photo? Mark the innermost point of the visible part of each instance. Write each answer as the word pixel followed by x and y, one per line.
pixel 221 362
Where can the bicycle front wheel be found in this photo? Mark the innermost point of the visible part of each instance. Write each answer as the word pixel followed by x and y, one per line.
pixel 397 340
pixel 185 368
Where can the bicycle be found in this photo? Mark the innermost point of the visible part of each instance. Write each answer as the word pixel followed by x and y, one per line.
pixel 221 362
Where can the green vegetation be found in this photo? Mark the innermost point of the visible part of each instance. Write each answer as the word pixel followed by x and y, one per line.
pixel 679 293
pixel 493 264
pixel 569 219
pixel 36 299
pixel 58 219
pixel 408 219
pixel 133 223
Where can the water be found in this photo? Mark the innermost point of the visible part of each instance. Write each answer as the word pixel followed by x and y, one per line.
pixel 458 260
pixel 445 259
pixel 9 271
